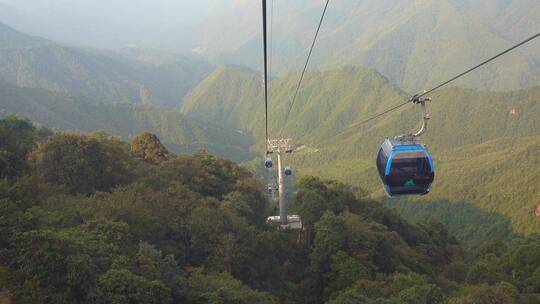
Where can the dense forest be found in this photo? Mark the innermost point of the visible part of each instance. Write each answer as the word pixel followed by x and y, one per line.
pixel 88 218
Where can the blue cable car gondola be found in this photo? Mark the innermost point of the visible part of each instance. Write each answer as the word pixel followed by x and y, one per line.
pixel 288 171
pixel 405 168
pixel 405 164
pixel 268 163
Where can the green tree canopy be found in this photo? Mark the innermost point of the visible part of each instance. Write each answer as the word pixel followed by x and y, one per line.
pixel 147 146
pixel 80 163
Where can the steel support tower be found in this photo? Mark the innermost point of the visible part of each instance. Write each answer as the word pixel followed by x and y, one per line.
pixel 281 147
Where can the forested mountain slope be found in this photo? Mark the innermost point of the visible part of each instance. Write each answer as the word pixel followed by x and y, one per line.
pixel 230 96
pixel 87 219
pixel 495 132
pixel 501 176
pixel 419 44
pixel 485 148
pixel 327 103
pixel 416 44
pixel 180 133
pixel 100 75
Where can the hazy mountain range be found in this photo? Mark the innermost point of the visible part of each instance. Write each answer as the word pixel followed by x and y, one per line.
pixel 415 43
pixel 134 76
pixel 123 93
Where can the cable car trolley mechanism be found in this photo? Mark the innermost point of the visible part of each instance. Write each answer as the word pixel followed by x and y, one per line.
pixel 404 163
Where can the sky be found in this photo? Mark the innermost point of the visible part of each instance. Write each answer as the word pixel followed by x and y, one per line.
pixel 205 27
pixel 109 23
pixel 152 7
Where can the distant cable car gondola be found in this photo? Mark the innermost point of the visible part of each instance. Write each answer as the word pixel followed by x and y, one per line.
pixel 268 163
pixel 288 171
pixel 404 164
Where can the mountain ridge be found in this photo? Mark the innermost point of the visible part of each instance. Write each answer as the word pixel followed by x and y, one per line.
pixel 63 112
pixel 11 38
pixel 415 43
pixel 101 75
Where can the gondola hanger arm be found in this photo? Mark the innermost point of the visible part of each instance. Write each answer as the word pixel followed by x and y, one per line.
pixel 416 99
pixel 425 115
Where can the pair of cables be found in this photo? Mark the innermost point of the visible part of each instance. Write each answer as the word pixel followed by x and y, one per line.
pixel 266 61
pixel 425 93
pixel 387 111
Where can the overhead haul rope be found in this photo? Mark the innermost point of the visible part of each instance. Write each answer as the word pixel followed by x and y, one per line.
pixel 419 96
pixel 271 60
pixel 265 70
pixel 307 63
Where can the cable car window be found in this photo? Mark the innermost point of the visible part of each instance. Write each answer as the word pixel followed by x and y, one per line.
pixel 410 167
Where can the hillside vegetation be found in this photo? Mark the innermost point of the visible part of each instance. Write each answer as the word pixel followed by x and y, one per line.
pixel 100 75
pixel 225 96
pixel 328 102
pixel 419 44
pixel 180 133
pixel 87 219
pixel 484 143
pixel 416 44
